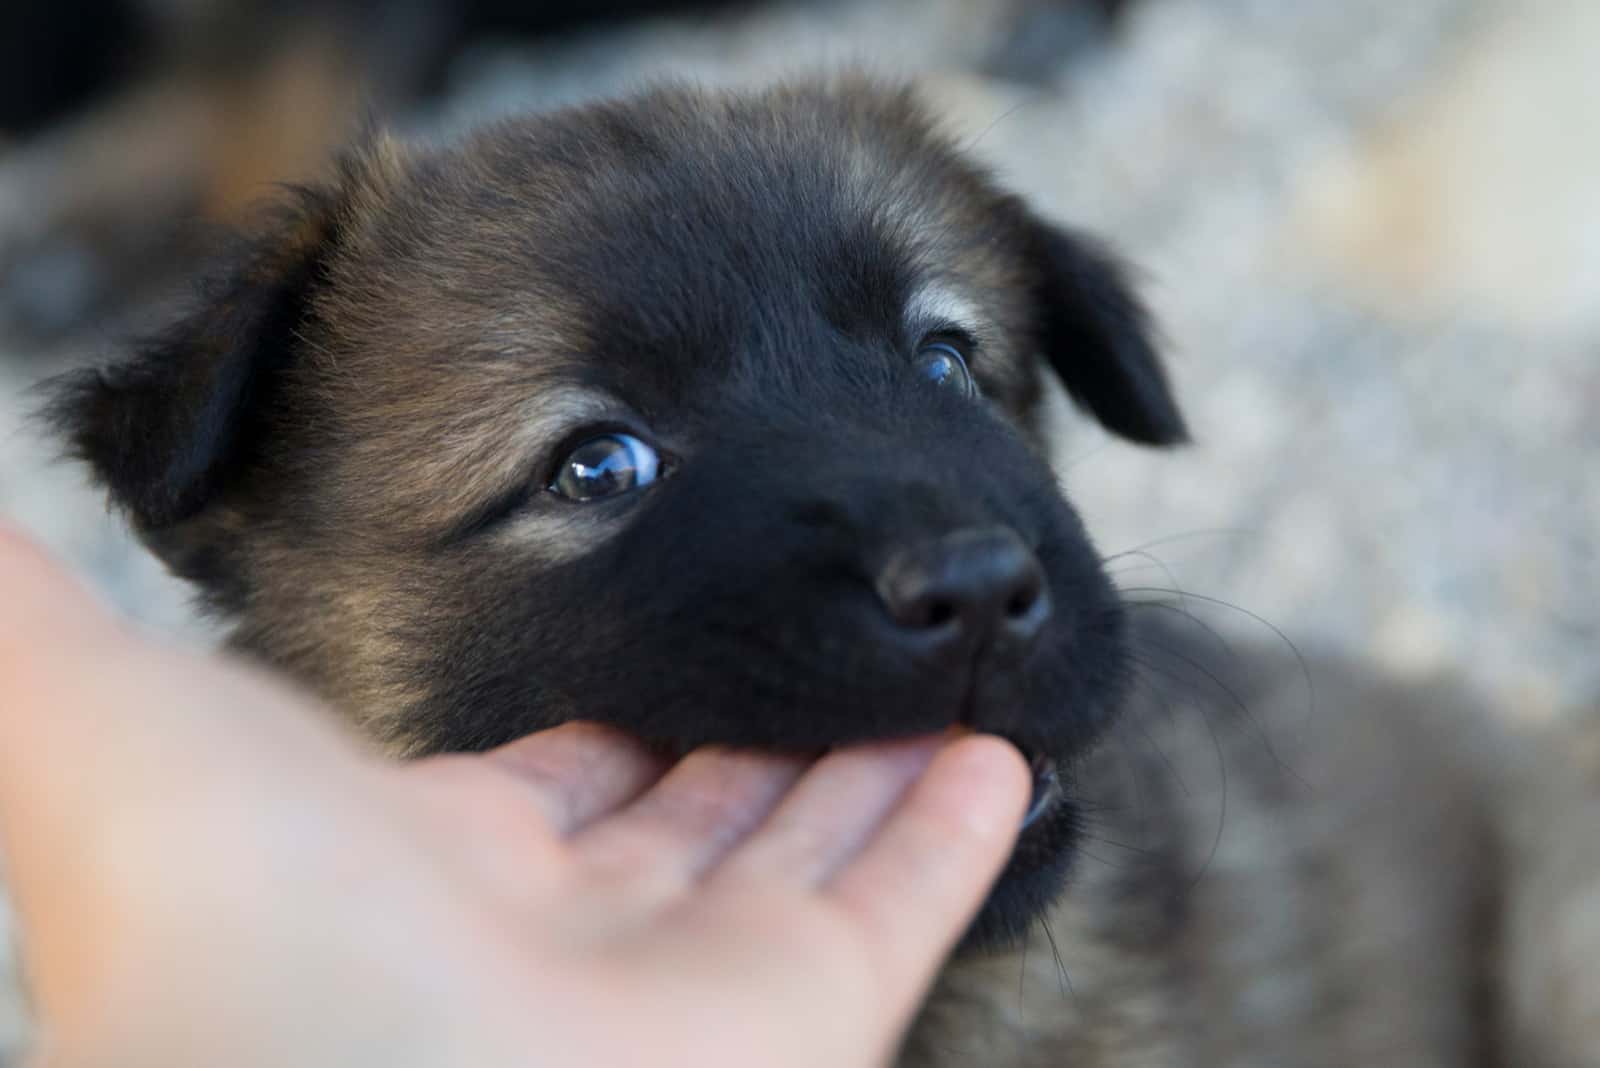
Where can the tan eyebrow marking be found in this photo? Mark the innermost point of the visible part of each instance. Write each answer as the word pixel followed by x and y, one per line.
pixel 934 303
pixel 436 472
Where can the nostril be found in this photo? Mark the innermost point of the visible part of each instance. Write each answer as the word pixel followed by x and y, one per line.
pixel 967 586
pixel 1025 594
pixel 938 613
pixel 922 609
pixel 1026 616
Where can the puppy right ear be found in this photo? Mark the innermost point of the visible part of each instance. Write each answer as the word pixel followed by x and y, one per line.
pixel 164 429
pixel 161 429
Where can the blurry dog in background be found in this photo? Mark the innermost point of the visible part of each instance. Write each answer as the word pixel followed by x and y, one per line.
pixel 718 417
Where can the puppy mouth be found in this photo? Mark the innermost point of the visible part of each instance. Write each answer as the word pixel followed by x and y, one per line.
pixel 1047 789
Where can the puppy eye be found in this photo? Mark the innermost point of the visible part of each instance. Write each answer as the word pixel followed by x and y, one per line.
pixel 605 466
pixel 942 364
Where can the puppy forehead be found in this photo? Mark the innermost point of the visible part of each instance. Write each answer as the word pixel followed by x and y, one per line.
pixel 713 222
pixel 638 252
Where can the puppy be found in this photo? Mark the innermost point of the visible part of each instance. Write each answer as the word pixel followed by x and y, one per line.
pixel 717 417
pixel 710 417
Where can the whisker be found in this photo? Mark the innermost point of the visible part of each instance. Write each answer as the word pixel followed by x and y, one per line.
pixel 1158 562
pixel 1139 850
pixel 1222 643
pixel 1113 865
pixel 1188 535
pixel 1132 772
pixel 1003 116
pixel 1062 978
pixel 1237 701
pixel 1022 967
pixel 1305 668
pixel 1182 608
pixel 1222 772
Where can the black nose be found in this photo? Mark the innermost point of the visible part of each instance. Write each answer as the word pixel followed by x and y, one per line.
pixel 969 587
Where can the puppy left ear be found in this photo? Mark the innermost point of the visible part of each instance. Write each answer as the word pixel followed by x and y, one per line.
pixel 1094 331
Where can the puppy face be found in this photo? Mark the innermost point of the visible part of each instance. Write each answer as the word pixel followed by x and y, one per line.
pixel 708 416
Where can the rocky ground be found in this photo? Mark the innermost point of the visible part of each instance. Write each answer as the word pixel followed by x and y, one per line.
pixel 1371 232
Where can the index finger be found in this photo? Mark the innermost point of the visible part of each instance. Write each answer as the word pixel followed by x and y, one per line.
pixel 949 839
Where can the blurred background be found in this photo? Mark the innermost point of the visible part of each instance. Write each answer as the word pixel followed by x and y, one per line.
pixel 1371 232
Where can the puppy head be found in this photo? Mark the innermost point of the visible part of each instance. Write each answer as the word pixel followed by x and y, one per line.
pixel 710 416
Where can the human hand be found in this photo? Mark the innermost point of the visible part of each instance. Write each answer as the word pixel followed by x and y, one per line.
pixel 207 871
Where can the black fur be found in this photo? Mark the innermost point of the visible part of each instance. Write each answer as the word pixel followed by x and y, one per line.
pixel 1098 336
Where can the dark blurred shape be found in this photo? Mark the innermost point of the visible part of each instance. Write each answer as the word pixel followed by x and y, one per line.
pixel 531 16
pixel 55 56
pixel 462 22
pixel 125 122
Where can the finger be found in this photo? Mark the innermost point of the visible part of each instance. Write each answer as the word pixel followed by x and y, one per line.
pixel 578 772
pixel 691 818
pixel 949 839
pixel 831 813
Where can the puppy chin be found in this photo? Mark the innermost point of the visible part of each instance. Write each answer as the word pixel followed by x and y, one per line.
pixel 1032 881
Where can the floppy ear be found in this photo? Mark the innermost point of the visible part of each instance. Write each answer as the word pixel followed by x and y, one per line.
pixel 1095 333
pixel 161 428
pixel 166 429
